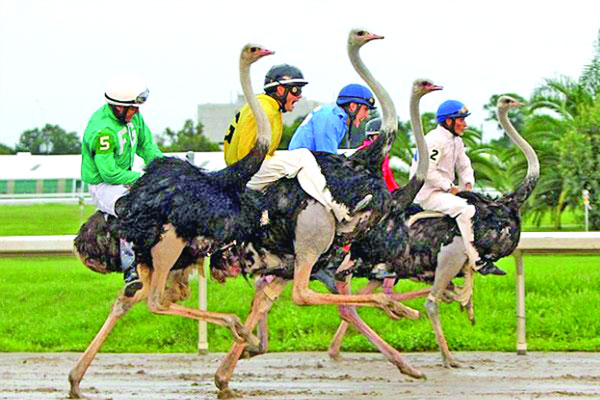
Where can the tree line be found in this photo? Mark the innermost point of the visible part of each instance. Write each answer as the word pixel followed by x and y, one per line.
pixel 52 139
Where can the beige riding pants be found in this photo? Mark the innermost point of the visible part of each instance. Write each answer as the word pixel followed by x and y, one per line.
pixel 299 164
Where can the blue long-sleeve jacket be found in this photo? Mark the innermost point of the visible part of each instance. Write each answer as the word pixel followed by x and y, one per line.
pixel 322 130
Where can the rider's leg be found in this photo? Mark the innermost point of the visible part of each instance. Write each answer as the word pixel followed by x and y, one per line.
pixel 458 208
pixel 301 164
pixel 105 197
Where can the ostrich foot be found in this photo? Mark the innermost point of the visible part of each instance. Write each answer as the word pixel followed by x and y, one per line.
pixel 469 309
pixel 250 351
pixel 228 394
pixel 451 362
pixel 395 309
pixel 406 369
pixel 75 391
pixel 241 334
pixel 335 355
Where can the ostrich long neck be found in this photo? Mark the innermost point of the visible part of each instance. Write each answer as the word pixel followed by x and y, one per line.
pixel 533 164
pixel 262 123
pixel 390 120
pixel 417 125
pixel 406 195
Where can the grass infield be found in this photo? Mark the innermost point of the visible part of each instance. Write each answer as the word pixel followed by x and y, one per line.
pixel 55 304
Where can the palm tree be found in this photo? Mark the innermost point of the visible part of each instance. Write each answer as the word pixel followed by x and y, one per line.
pixel 556 108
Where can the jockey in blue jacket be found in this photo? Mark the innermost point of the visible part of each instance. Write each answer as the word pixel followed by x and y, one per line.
pixel 325 127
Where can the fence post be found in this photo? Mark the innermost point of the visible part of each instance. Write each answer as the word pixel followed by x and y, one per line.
pixel 202 300
pixel 520 291
pixel 202 326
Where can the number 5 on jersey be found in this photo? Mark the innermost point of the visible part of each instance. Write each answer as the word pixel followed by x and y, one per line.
pixel 104 144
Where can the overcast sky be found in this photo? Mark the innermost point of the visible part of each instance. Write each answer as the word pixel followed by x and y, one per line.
pixel 57 55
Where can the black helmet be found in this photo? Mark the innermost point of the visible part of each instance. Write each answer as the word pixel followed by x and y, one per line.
pixel 283 74
pixel 373 127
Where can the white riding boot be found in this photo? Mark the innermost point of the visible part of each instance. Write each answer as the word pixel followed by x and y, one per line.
pixel 465 226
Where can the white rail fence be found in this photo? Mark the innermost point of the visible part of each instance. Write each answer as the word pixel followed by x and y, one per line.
pixel 530 243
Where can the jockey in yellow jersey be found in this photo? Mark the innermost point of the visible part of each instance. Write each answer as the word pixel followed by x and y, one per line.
pixel 283 89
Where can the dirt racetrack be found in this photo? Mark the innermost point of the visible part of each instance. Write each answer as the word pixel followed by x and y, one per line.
pixel 310 376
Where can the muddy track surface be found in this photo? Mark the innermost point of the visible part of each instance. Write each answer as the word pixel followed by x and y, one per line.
pixel 310 376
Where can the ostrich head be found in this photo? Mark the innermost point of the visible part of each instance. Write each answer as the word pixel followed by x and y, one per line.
pixel 506 102
pixel 423 86
pixel 254 52
pixel 359 37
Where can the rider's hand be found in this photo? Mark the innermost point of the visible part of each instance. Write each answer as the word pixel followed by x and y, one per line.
pixel 453 189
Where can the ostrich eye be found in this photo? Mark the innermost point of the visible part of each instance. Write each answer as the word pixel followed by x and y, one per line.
pixel 361 33
pixel 254 49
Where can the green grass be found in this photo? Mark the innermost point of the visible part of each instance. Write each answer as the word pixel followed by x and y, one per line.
pixel 55 304
pixel 43 219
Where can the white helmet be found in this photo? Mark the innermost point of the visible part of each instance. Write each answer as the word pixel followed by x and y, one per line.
pixel 126 91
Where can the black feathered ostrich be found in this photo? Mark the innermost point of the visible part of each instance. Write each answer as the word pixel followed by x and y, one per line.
pixel 301 231
pixel 176 214
pixel 436 249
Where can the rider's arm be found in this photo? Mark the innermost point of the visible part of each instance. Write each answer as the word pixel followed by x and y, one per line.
pixel 146 148
pixel 464 169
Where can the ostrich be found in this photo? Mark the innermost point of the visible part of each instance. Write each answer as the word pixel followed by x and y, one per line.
pixel 182 197
pixel 435 246
pixel 301 231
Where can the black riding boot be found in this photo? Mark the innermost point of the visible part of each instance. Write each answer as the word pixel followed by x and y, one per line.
pixel 490 268
pixel 128 266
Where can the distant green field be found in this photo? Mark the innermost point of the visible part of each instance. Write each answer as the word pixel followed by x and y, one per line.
pixel 55 304
pixel 42 219
pixel 62 219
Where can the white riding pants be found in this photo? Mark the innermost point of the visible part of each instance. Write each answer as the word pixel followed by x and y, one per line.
pixel 105 196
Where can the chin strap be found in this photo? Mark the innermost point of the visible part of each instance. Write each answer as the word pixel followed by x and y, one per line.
pixel 280 99
pixel 450 127
pixel 351 117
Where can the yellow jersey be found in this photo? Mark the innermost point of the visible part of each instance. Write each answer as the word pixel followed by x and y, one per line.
pixel 241 135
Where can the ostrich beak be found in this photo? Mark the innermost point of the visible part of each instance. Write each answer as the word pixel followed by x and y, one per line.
pixel 373 36
pixel 436 87
pixel 518 104
pixel 265 52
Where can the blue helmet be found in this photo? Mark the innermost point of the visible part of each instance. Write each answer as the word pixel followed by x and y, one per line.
pixel 451 109
pixel 355 93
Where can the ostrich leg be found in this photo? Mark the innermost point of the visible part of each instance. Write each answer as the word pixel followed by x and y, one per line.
pixel 120 308
pixel 261 304
pixel 308 246
pixel 164 255
pixel 450 261
pixel 262 329
pixel 336 342
pixel 349 314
